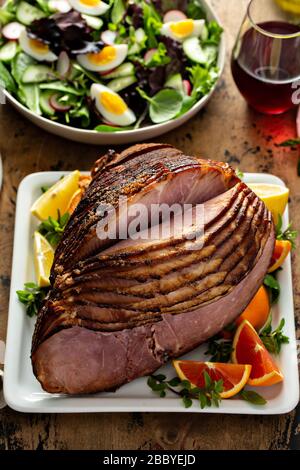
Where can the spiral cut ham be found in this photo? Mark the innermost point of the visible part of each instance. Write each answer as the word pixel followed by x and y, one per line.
pixel 120 308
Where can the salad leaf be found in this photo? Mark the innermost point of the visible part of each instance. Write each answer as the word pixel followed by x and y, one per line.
pixel 6 80
pixel 214 33
pixel 82 113
pixel 63 87
pixel 106 128
pixel 195 10
pixel 202 80
pixel 165 105
pixel 7 12
pixel 152 23
pixel 160 57
pixel 118 11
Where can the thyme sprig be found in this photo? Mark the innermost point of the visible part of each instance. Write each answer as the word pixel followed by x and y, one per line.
pixel 273 340
pixel 287 234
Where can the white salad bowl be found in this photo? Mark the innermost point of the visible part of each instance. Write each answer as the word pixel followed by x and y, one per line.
pixel 124 137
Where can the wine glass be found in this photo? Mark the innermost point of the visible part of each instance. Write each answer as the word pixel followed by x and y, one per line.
pixel 266 58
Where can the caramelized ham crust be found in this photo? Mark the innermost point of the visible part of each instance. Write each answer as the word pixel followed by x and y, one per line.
pixel 118 309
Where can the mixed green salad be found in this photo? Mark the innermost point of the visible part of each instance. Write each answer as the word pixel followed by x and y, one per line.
pixel 110 65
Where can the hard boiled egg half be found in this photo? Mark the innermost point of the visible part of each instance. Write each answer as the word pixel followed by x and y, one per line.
pixel 108 58
pixel 181 30
pixel 111 106
pixel 35 48
pixel 89 7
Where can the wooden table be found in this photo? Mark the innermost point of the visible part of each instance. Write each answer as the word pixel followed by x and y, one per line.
pixel 226 130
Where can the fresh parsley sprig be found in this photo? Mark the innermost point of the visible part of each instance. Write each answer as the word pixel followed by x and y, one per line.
pixel 288 234
pixel 273 340
pixel 32 297
pixel 53 229
pixel 209 395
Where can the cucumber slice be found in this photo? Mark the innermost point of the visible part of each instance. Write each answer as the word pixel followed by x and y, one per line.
pixel 93 21
pixel 194 51
pixel 118 84
pixel 138 45
pixel 175 81
pixel 38 74
pixel 8 51
pixel 27 13
pixel 204 33
pixel 45 104
pixel 30 96
pixel 123 70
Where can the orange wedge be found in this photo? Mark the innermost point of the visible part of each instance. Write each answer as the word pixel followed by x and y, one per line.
pixel 281 250
pixel 258 310
pixel 234 376
pixel 248 348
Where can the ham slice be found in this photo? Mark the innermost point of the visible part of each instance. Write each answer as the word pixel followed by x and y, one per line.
pixel 120 308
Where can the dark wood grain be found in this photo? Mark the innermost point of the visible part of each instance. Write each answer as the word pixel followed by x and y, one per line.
pixel 226 130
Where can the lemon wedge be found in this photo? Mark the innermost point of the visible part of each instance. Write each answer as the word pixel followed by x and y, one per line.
pixel 43 259
pixel 292 6
pixel 58 197
pixel 274 196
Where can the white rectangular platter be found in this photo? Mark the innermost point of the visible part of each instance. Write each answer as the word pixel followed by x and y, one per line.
pixel 22 390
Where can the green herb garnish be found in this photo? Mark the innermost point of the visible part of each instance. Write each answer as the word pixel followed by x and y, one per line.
pixel 207 396
pixel 219 349
pixel 287 234
pixel 253 397
pixel 53 229
pixel 273 286
pixel 273 340
pixel 239 173
pixel 32 296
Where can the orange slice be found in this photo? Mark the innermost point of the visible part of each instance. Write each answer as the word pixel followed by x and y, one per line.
pixel 258 310
pixel 248 348
pixel 281 250
pixel 234 376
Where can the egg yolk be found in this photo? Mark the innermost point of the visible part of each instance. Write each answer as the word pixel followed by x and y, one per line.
pixel 38 46
pixel 90 3
pixel 112 103
pixel 108 54
pixel 182 28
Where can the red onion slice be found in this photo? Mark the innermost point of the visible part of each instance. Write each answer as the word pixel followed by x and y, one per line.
pixel 12 30
pixel 54 103
pixel 109 37
pixel 174 16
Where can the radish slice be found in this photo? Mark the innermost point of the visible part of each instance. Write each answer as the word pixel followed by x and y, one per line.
pixel 298 122
pixel 13 30
pixel 149 54
pixel 63 65
pixel 107 72
pixel 62 6
pixel 54 103
pixel 109 37
pixel 174 16
pixel 187 87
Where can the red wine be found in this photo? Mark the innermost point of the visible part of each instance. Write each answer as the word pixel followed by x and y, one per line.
pixel 266 68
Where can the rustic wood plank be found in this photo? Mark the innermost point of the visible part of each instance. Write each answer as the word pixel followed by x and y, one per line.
pixel 226 130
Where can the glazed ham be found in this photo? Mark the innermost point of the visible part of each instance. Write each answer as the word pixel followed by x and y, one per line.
pixel 120 308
